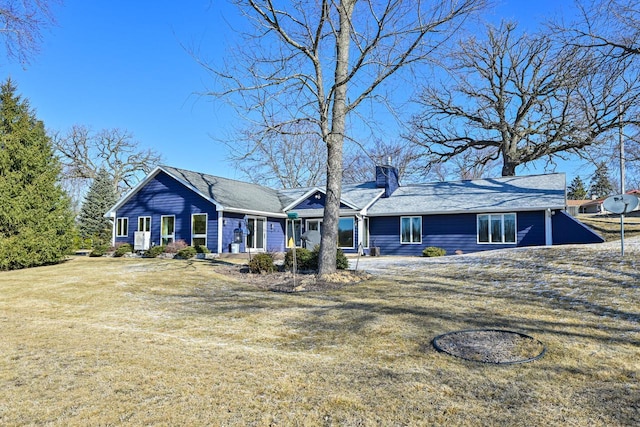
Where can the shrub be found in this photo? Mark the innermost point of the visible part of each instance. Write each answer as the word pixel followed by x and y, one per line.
pixel 124 248
pixel 174 247
pixel 303 259
pixel 431 251
pixel 202 249
pixel 154 251
pixel 262 263
pixel 342 263
pixel 98 250
pixel 186 253
pixel 308 260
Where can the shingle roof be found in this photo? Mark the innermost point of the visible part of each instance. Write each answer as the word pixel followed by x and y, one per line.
pixel 513 193
pixel 229 193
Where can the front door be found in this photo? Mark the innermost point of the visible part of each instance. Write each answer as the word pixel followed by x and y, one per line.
pixel 257 236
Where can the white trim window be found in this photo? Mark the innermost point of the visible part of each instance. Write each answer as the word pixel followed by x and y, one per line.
pixel 199 229
pixel 122 227
pixel 167 229
pixel 256 239
pixel 497 228
pixel 346 233
pixel 144 224
pixel 411 230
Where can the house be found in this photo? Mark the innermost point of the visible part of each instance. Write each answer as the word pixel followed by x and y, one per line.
pixel 226 215
pixel 593 206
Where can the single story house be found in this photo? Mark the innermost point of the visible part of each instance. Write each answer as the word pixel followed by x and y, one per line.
pixel 227 215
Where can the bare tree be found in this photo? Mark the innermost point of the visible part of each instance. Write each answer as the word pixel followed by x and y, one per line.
pixel 83 152
pixel 360 166
pixel 610 29
pixel 21 23
pixel 285 159
pixel 317 61
pixel 523 98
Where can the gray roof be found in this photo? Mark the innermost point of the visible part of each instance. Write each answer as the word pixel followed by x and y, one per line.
pixel 514 193
pixel 231 194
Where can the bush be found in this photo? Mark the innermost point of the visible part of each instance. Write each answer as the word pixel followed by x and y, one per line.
pixel 175 247
pixel 303 259
pixel 342 263
pixel 202 249
pixel 431 251
pixel 308 260
pixel 98 251
pixel 154 251
pixel 262 263
pixel 122 249
pixel 186 253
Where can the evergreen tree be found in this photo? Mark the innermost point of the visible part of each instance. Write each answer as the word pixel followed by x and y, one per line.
pixel 601 185
pixel 576 190
pixel 101 196
pixel 36 223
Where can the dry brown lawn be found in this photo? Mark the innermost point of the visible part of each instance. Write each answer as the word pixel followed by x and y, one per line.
pixel 164 342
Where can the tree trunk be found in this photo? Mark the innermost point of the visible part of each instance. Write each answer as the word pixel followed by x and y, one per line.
pixel 335 141
pixel 509 168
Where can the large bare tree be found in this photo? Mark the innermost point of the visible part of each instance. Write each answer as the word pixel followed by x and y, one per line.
pixel 318 60
pixel 294 156
pixel 610 29
pixel 521 98
pixel 84 152
pixel 21 25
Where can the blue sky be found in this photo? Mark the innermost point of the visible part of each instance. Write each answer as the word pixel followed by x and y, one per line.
pixel 121 64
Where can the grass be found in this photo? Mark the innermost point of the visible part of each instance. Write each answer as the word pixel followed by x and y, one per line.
pixel 103 341
pixel 608 226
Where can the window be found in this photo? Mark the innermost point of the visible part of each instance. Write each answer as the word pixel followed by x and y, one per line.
pixel 294 231
pixel 256 239
pixel 345 233
pixel 167 229
pixel 497 228
pixel 199 230
pixel 144 223
pixel 411 229
pixel 314 224
pixel 122 227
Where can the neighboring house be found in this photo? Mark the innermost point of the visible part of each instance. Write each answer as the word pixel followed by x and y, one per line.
pixel 233 216
pixel 593 206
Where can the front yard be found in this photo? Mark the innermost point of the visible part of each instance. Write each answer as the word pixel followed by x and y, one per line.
pixel 146 341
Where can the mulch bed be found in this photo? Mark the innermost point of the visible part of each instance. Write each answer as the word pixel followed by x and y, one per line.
pixel 283 281
pixel 490 346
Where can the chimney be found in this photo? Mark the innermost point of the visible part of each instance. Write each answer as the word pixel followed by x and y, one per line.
pixel 387 178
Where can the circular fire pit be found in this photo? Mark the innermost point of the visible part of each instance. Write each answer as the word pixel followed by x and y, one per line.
pixel 490 346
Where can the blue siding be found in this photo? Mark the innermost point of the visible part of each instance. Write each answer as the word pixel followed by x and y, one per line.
pixel 451 232
pixel 315 201
pixel 568 230
pixel 165 196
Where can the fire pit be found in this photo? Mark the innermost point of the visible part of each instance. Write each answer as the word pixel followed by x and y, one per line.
pixel 490 346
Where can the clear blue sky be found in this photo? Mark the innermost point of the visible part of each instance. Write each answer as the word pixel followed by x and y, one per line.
pixel 120 64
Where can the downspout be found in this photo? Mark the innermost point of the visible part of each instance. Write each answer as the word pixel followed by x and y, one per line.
pixel 220 228
pixel 360 243
pixel 548 229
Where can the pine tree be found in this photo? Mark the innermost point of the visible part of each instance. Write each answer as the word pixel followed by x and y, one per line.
pixel 101 196
pixel 576 190
pixel 36 222
pixel 601 186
